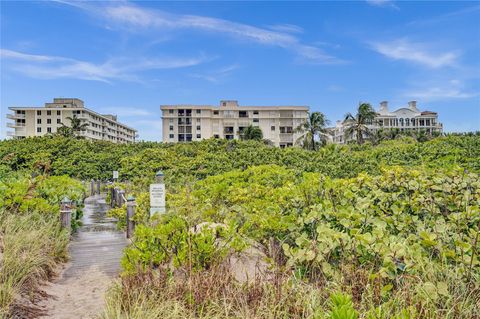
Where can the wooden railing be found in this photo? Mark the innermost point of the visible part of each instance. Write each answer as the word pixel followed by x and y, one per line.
pixel 118 199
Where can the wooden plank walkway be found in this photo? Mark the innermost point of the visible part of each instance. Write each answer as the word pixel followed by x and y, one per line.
pixel 95 253
pixel 97 243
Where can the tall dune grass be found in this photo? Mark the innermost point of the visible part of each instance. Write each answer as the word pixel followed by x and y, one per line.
pixel 31 245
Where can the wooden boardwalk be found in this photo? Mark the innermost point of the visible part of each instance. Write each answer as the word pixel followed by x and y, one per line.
pixel 95 253
pixel 97 243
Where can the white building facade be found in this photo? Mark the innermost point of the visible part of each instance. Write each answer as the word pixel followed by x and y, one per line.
pixel 184 123
pixel 38 121
pixel 408 118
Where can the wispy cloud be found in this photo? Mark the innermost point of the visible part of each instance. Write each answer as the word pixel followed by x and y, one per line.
pixel 218 75
pixel 53 67
pixel 131 17
pixel 383 3
pixel 335 88
pixel 404 49
pixel 289 28
pixel 458 14
pixel 453 89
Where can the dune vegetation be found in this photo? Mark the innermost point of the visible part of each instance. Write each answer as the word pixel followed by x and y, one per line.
pixel 354 231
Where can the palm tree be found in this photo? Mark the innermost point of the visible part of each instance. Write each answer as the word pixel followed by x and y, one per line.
pixel 76 126
pixel 65 131
pixel 251 133
pixel 315 125
pixel 358 124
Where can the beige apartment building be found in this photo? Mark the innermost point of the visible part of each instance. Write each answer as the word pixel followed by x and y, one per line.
pixel 184 123
pixel 38 121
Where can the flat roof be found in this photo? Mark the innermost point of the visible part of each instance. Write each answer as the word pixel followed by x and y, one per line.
pixel 236 107
pixel 34 108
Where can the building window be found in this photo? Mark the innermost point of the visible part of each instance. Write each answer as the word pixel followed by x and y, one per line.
pixel 59 122
pixel 39 112
pixel 273 128
pixel 199 111
pixel 286 129
pixel 255 112
pixel 49 129
pixel 171 135
pixel 49 112
pixel 59 113
pixel 255 120
pixel 215 112
pixel 49 121
pixel 242 114
pixel 170 121
pixel 39 121
pixel 198 127
pixel 39 130
pixel 198 120
pixel 170 111
pixel 181 137
pixel 171 127
pixel 199 136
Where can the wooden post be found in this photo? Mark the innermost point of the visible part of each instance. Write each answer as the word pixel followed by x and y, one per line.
pixel 98 187
pixel 130 213
pixel 117 201
pixel 121 195
pixel 66 213
pixel 92 188
pixel 112 197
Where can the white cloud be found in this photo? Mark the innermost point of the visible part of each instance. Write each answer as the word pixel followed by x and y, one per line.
pixel 440 93
pixel 53 67
pixel 404 49
pixel 130 17
pixel 382 3
pixel 217 75
pixel 335 88
pixel 453 89
pixel 289 28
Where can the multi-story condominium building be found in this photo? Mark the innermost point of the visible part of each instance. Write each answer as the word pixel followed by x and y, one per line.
pixel 38 121
pixel 182 123
pixel 404 119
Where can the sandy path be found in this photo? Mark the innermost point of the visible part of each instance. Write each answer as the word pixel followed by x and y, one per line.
pixel 95 254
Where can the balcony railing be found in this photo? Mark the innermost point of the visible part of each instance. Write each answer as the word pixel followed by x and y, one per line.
pixel 286 137
pixel 15 125
pixel 15 116
pixel 16 133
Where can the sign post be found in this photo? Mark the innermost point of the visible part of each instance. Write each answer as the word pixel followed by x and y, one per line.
pixel 115 175
pixel 157 195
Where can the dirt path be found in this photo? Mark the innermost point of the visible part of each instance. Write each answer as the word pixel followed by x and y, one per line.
pixel 95 254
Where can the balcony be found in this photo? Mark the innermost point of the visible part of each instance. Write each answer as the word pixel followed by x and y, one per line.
pixel 15 116
pixel 15 125
pixel 286 137
pixel 17 132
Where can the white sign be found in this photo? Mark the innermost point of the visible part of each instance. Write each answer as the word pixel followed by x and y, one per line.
pixel 157 198
pixel 115 174
pixel 157 210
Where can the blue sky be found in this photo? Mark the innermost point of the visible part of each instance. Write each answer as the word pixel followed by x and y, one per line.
pixel 129 57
